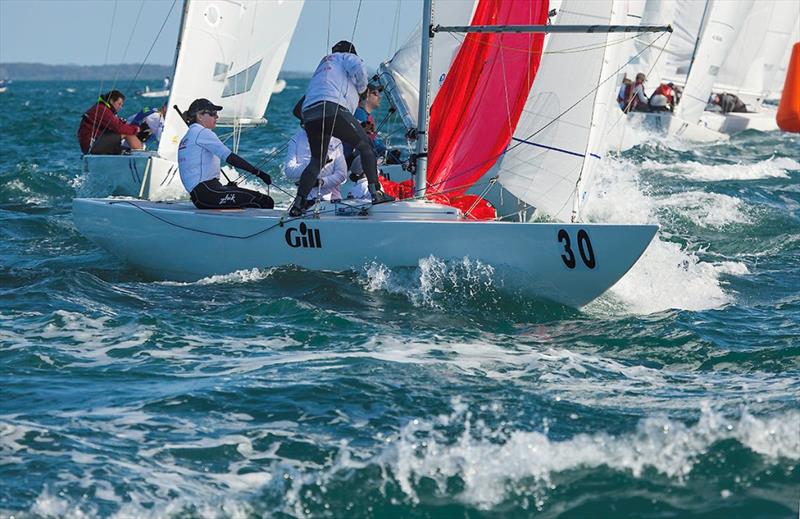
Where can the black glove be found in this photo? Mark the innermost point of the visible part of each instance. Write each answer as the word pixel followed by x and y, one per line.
pixel 355 178
pixel 263 176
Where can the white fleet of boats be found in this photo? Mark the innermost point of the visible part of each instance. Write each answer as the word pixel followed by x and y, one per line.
pixel 565 117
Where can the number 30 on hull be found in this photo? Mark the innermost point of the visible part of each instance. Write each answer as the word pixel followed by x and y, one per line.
pixel 584 246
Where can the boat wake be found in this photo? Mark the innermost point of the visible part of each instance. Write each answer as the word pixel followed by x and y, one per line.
pixel 670 274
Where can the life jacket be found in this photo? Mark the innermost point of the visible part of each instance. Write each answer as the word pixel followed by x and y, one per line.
pixel 666 91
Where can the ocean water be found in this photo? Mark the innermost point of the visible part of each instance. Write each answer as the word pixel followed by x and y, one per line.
pixel 416 393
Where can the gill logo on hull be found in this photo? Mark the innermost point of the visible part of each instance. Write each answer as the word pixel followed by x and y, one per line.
pixel 305 237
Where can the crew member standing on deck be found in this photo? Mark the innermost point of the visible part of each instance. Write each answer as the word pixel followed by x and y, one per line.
pixel 199 156
pixel 330 101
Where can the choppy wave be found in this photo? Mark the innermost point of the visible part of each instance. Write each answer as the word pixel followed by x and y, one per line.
pixel 460 457
pixel 770 168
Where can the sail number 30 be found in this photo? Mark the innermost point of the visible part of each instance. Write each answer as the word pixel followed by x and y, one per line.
pixel 584 249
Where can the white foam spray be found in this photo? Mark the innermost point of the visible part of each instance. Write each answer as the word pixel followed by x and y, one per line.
pixel 770 168
pixel 668 275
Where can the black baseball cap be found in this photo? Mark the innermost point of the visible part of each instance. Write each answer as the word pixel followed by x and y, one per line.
pixel 198 105
pixel 344 46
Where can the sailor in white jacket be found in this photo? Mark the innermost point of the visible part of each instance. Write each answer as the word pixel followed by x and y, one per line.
pixel 327 111
pixel 331 176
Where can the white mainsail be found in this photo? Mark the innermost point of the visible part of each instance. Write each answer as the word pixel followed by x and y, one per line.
pixel 400 74
pixel 721 23
pixel 781 34
pixel 742 73
pixel 230 53
pixel 553 143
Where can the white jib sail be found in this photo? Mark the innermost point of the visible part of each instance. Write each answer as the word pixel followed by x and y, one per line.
pixel 722 22
pixel 551 147
pixel 403 67
pixel 230 53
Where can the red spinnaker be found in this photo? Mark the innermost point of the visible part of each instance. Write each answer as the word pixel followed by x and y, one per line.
pixel 480 102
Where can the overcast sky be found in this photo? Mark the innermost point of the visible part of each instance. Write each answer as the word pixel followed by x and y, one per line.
pixel 76 31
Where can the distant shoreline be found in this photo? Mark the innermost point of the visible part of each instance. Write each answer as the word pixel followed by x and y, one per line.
pixel 122 72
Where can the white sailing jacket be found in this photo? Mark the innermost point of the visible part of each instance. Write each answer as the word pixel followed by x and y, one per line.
pixel 333 175
pixel 340 77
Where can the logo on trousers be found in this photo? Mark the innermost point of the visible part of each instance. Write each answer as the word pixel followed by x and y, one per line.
pixel 304 236
pixel 230 197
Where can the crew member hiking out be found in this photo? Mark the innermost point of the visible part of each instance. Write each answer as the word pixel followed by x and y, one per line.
pixel 101 130
pixel 330 101
pixel 199 155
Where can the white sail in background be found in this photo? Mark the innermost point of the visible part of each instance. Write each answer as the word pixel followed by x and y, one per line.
pixel 781 34
pixel 721 23
pixel 230 53
pixel 687 23
pixel 552 145
pixel 400 75
pixel 742 73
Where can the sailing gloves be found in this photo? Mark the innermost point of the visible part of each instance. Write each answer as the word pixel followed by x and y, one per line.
pixel 263 176
pixel 238 162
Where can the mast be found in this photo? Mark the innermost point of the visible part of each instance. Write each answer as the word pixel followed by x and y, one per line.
pixel 697 41
pixel 421 178
pixel 170 102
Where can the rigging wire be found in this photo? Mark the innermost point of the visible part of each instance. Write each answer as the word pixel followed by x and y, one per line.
pixel 155 40
pixel 95 122
pixel 130 39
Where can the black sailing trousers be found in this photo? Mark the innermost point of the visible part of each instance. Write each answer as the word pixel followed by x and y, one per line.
pixel 326 119
pixel 211 194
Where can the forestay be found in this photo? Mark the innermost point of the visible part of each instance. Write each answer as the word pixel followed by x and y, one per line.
pixel 552 144
pixel 400 74
pixel 230 53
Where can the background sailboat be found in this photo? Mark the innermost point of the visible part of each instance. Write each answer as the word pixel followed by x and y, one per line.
pixel 704 34
pixel 228 52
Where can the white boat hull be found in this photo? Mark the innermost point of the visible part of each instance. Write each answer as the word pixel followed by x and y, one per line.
pixel 670 125
pixel 567 263
pixel 139 175
pixel 155 93
pixel 735 122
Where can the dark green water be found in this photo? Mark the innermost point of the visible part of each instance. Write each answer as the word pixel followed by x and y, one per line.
pixel 427 393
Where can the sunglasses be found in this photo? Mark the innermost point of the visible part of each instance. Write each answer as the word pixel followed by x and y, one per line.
pixel 212 113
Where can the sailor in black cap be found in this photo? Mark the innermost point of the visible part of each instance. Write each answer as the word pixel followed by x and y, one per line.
pixel 199 156
pixel 327 110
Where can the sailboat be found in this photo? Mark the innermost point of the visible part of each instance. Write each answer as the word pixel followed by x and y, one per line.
pixel 229 53
pixel 748 71
pixel 480 101
pixel 704 34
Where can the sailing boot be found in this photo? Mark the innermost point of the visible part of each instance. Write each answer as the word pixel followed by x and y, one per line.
pixel 378 196
pixel 298 207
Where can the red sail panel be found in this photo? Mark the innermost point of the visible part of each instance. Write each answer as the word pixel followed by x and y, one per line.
pixel 480 102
